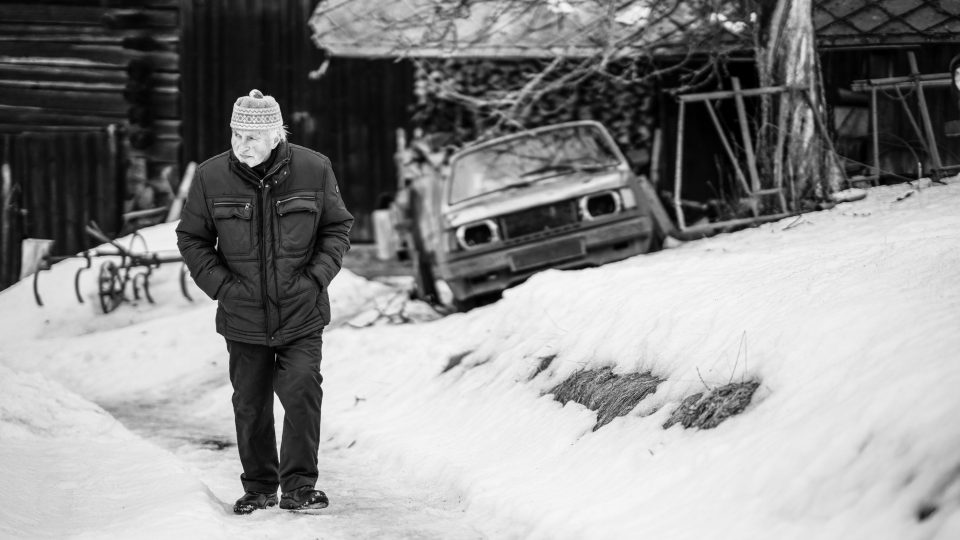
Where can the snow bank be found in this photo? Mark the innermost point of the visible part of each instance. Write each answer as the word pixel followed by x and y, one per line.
pixel 79 473
pixel 848 318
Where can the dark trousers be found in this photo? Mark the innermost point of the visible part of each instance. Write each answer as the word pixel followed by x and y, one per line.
pixel 293 372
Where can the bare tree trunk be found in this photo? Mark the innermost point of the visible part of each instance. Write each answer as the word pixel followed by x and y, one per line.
pixel 798 152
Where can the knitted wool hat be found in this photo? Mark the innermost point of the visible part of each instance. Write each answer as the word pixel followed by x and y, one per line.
pixel 256 112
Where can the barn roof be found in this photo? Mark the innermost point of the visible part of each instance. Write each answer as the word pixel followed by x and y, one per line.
pixel 840 23
pixel 505 28
pixel 509 28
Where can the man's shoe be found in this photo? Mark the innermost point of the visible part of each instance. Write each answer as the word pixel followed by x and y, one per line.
pixel 304 498
pixel 252 500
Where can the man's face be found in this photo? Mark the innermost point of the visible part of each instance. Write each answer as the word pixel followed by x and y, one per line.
pixel 253 147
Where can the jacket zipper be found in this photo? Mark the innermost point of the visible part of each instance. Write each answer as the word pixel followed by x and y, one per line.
pixel 264 187
pixel 228 203
pixel 294 198
pixel 264 194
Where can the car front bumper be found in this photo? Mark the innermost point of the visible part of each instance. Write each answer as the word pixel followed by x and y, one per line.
pixel 493 270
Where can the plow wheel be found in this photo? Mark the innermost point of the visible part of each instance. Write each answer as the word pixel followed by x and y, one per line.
pixel 110 287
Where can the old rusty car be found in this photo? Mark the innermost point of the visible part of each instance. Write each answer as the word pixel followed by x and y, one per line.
pixel 561 196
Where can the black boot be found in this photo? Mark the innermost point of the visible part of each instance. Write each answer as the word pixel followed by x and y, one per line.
pixel 252 500
pixel 303 498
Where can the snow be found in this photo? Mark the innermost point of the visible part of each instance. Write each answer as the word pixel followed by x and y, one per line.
pixel 120 425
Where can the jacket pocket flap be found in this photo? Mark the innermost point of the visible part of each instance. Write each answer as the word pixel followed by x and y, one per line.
pixel 227 210
pixel 298 204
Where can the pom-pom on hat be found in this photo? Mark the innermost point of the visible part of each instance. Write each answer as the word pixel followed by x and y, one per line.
pixel 256 112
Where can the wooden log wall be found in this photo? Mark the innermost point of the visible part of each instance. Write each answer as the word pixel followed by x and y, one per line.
pixel 65 66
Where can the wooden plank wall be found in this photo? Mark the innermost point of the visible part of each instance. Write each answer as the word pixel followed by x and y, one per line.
pixel 234 46
pixel 359 105
pixel 350 114
pixel 61 180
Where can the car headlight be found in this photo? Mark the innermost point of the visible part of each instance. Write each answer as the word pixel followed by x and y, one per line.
pixel 475 235
pixel 600 204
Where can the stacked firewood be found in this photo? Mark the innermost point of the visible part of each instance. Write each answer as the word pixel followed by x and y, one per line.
pixel 470 99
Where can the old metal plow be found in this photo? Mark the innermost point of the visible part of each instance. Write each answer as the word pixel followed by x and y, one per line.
pixel 134 268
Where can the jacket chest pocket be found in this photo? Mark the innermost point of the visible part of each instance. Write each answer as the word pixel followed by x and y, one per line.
pixel 297 217
pixel 234 219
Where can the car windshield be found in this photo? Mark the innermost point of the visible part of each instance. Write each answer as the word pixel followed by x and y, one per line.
pixel 519 162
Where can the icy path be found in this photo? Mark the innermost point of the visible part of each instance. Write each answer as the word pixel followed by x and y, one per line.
pixel 367 499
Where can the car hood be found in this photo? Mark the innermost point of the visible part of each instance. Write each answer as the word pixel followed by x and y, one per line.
pixel 549 190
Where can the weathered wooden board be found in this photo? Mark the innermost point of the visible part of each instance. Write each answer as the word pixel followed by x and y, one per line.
pixel 87 14
pixel 163 105
pixel 69 74
pixel 89 55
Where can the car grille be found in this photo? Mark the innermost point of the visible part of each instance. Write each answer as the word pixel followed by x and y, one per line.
pixel 537 220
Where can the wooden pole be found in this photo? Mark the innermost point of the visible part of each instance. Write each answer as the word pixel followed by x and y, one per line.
pixel 657 147
pixel 875 136
pixel 678 169
pixel 6 193
pixel 176 206
pixel 726 94
pixel 116 175
pixel 925 117
pixel 747 138
pixel 930 80
pixel 779 148
pixel 726 146
pixel 913 122
pixel 651 187
pixel 710 227
pixel 778 163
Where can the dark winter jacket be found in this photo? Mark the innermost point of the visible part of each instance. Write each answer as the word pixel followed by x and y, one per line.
pixel 266 248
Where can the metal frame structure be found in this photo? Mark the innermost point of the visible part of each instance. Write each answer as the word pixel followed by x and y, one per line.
pixel 924 131
pixel 751 187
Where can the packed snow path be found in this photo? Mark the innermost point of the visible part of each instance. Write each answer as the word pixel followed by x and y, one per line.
pixel 367 501
pixel 164 439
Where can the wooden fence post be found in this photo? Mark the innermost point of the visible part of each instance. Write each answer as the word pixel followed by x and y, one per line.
pixel 6 194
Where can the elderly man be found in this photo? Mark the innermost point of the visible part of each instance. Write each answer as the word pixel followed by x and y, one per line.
pixel 263 232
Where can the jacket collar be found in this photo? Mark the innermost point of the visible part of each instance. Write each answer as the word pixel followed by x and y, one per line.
pixel 244 171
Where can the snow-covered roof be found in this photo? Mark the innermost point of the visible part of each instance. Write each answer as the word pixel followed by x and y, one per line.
pixel 505 28
pixel 510 28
